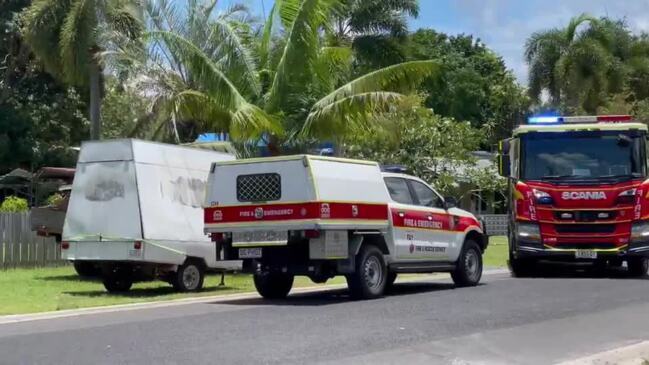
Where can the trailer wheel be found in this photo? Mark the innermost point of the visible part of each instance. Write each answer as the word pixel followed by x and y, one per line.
pixel 638 266
pixel 86 269
pixel 371 275
pixel 468 270
pixel 117 283
pixel 189 276
pixel 273 285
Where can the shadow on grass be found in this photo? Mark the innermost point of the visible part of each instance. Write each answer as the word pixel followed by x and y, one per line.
pixel 146 292
pixel 70 277
pixel 337 296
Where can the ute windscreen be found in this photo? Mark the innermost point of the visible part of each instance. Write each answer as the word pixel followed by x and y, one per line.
pixel 582 155
pixel 259 187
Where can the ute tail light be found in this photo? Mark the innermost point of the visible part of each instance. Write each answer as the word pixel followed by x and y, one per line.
pixel 137 245
pixel 626 197
pixel 312 233
pixel 65 245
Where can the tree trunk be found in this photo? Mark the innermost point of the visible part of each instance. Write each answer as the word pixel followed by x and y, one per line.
pixel 95 100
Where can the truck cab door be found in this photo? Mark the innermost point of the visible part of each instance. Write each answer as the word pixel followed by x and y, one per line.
pixel 416 221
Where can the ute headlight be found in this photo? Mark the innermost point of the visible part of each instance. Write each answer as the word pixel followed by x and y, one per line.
pixel 542 197
pixel 528 231
pixel 640 232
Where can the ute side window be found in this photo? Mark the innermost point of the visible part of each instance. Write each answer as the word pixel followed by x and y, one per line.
pixel 426 196
pixel 399 191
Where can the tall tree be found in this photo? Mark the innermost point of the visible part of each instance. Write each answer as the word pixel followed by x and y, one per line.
pixel 376 29
pixel 578 65
pixel 68 36
pixel 300 100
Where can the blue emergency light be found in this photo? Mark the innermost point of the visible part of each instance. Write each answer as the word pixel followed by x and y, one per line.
pixel 579 119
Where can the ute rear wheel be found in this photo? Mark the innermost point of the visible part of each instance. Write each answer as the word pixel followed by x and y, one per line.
pixel 371 275
pixel 273 285
pixel 468 270
pixel 638 266
pixel 189 276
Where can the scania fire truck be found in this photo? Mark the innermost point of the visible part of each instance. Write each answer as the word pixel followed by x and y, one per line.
pixel 578 191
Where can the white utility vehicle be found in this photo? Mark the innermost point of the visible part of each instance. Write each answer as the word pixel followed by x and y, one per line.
pixel 136 211
pixel 321 217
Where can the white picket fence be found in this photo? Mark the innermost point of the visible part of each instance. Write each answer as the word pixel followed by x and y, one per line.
pixel 21 247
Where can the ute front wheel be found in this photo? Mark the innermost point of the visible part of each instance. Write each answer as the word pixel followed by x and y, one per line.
pixel 371 275
pixel 468 270
pixel 273 285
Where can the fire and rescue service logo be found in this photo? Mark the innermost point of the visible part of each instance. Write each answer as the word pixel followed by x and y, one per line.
pixel 259 213
pixel 303 212
pixel 217 215
pixel 325 210
pixel 354 211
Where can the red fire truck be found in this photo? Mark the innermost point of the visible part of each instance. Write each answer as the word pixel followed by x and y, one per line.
pixel 578 191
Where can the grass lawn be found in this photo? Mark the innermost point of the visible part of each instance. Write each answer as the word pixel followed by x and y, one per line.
pixel 50 289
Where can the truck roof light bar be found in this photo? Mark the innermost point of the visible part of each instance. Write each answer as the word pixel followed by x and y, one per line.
pixel 580 119
pixel 397 169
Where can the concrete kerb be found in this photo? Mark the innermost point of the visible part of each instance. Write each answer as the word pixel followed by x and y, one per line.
pixel 17 318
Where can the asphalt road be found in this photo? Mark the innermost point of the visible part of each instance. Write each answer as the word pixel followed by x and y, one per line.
pixel 524 321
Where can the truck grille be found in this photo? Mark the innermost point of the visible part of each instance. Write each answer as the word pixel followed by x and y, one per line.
pixel 259 187
pixel 585 228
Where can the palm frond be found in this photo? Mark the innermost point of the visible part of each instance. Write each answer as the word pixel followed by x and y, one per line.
pixel 237 57
pixel 295 67
pixel 286 11
pixel 575 22
pixel 399 78
pixel 76 40
pixel 348 114
pixel 42 23
pixel 214 81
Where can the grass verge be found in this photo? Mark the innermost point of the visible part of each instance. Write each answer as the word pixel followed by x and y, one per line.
pixel 51 289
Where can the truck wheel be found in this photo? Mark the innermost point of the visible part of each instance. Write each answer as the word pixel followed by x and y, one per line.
pixel 189 276
pixel 371 275
pixel 638 266
pixel 86 268
pixel 468 269
pixel 521 268
pixel 273 285
pixel 117 283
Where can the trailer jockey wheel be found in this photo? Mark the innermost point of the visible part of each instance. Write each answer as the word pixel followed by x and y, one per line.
pixel 189 276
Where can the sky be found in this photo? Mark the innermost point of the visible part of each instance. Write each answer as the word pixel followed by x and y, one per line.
pixel 504 25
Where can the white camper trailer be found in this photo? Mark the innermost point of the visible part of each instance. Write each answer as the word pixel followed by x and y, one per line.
pixel 135 211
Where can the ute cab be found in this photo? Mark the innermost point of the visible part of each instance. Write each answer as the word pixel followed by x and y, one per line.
pixel 321 217
pixel 578 192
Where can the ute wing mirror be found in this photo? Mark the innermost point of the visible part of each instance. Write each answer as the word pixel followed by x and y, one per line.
pixel 450 202
pixel 503 158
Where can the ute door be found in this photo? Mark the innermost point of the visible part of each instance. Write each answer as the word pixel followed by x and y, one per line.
pixel 435 222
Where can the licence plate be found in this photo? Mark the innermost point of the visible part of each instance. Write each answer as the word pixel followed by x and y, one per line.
pixel 260 238
pixel 585 254
pixel 250 253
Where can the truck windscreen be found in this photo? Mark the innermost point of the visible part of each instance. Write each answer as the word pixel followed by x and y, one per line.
pixel 582 155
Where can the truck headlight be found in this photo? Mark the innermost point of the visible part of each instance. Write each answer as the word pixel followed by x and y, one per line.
pixel 640 231
pixel 528 231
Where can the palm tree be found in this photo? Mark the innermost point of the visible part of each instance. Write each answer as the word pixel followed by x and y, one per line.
pixel 376 29
pixel 300 101
pixel 69 36
pixel 578 68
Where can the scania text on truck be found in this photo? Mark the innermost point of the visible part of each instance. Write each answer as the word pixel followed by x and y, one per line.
pixel 321 217
pixel 578 191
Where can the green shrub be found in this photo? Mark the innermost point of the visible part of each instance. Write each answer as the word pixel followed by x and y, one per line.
pixel 14 204
pixel 54 199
